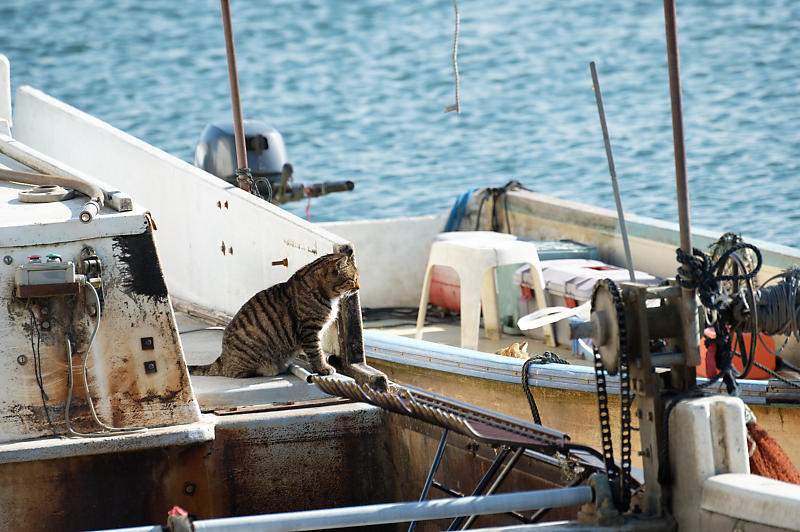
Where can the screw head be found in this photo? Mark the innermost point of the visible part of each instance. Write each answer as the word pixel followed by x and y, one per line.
pixel 189 488
pixel 22 360
pixel 45 324
pixel 8 259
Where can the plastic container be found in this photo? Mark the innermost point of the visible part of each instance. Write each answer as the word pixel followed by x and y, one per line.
pixel 569 283
pixel 708 366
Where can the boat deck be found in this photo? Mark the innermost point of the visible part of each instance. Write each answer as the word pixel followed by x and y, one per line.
pixel 448 333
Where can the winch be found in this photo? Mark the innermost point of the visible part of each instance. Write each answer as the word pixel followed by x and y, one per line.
pixel 638 334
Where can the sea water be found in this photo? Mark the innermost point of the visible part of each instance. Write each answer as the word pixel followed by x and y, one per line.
pixel 358 89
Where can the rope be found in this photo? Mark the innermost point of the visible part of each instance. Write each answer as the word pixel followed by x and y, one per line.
pixel 545 358
pixel 244 175
pixel 457 106
pixel 496 193
pixel 699 272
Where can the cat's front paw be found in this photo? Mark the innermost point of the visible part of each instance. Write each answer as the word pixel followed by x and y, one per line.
pixel 325 369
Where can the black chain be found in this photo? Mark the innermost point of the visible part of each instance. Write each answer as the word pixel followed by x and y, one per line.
pixel 624 475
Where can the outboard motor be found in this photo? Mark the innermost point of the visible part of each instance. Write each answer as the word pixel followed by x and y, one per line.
pixel 266 156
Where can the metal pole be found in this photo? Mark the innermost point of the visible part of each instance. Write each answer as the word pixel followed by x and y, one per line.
pixel 377 514
pixel 434 467
pixel 622 227
pixel 499 480
pixel 233 78
pixel 689 320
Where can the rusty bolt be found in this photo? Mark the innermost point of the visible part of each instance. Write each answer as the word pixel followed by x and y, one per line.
pixel 219 204
pixel 189 488
pixel 283 262
pixel 8 259
pixel 22 360
pixel 147 343
pixel 226 204
pixel 222 247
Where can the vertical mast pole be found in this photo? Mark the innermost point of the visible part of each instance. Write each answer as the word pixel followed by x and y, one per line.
pixel 689 318
pixel 233 78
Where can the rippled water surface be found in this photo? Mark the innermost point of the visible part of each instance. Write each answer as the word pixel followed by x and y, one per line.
pixel 358 90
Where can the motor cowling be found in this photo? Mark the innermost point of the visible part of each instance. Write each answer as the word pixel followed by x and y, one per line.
pixel 216 150
pixel 266 157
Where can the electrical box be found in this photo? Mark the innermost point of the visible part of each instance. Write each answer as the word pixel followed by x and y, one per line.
pixel 45 279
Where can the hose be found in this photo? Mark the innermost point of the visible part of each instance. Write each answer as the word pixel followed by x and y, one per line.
pixel 89 210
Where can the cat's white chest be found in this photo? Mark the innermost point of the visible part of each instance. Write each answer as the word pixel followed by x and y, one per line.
pixel 332 316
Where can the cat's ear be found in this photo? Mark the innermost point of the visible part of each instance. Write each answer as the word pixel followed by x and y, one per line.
pixel 347 249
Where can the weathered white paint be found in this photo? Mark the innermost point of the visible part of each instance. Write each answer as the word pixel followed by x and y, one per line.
pixel 52 448
pixel 712 488
pixel 125 393
pixel 5 89
pixel 391 255
pixel 195 212
pixel 732 498
pixel 707 437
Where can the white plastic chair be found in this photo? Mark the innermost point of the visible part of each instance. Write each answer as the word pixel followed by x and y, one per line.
pixel 474 255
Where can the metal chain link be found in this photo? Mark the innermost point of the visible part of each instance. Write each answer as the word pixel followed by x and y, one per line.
pixel 624 474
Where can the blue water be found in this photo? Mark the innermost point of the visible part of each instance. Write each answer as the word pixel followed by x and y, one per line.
pixel 358 90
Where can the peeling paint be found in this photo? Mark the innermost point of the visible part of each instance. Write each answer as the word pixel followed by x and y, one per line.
pixel 297 245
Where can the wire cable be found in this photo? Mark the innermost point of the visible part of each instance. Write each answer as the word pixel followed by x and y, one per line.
pixel 110 430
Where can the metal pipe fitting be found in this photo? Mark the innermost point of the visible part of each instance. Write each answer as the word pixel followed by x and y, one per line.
pixel 95 193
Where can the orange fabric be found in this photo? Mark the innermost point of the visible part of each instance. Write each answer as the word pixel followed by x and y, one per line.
pixel 768 458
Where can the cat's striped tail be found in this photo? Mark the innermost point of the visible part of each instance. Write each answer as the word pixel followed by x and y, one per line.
pixel 212 369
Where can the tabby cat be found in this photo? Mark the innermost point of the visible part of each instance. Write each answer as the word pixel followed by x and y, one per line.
pixel 286 320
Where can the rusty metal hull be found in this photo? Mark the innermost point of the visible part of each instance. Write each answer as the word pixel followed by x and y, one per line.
pixel 318 457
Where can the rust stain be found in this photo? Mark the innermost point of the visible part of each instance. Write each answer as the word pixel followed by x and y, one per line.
pixel 167 397
pixel 222 247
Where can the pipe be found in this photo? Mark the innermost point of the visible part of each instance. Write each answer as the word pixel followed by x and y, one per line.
pixel 236 102
pixel 301 373
pixel 434 467
pixel 611 168
pixel 90 209
pixel 377 514
pixel 689 319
